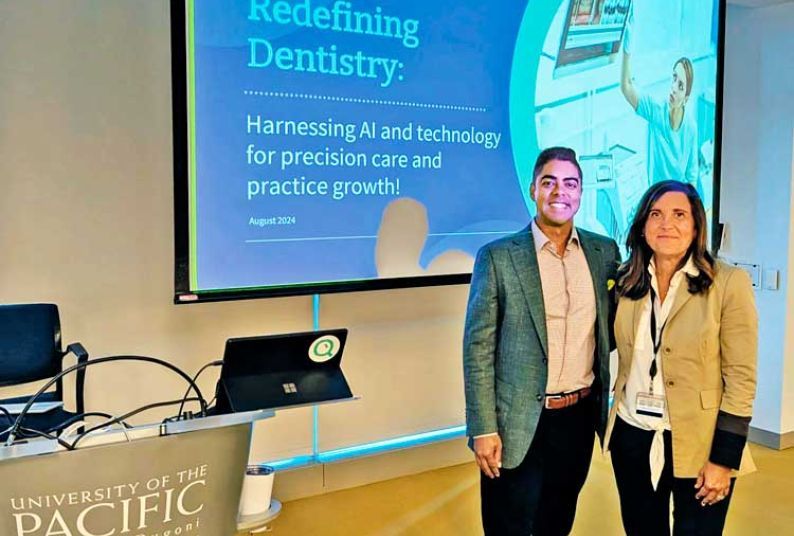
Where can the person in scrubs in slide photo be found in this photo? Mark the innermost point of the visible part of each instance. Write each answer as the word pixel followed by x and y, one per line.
pixel 672 129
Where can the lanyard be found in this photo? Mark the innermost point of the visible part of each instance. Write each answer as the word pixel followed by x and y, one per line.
pixel 657 342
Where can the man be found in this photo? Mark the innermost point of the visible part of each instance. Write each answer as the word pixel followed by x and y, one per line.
pixel 536 357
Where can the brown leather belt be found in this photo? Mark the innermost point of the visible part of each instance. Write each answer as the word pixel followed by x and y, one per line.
pixel 565 400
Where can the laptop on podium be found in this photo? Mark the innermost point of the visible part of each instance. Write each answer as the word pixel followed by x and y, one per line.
pixel 278 371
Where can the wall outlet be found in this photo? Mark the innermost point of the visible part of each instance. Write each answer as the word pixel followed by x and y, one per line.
pixel 771 279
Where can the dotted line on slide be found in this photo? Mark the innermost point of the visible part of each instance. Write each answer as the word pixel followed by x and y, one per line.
pixel 308 96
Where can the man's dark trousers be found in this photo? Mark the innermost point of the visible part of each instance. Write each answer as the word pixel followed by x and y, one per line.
pixel 539 496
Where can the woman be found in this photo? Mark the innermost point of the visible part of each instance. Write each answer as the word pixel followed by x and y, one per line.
pixel 686 331
pixel 672 132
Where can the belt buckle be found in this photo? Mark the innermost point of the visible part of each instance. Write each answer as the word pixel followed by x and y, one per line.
pixel 551 397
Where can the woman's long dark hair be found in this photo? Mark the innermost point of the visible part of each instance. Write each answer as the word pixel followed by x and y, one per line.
pixel 634 281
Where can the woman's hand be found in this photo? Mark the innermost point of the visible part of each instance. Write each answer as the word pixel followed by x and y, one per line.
pixel 713 483
pixel 627 30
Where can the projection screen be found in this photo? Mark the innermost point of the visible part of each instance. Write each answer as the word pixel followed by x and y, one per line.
pixel 330 145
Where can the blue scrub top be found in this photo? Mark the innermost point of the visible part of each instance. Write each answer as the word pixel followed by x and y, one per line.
pixel 672 153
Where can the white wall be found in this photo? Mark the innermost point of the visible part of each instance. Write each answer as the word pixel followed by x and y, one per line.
pixel 756 196
pixel 86 221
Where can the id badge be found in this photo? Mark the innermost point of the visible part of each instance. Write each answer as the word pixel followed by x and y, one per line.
pixel 650 405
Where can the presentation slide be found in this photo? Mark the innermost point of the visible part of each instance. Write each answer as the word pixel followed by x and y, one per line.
pixel 332 142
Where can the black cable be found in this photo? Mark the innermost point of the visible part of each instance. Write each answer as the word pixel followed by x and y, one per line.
pixel 18 422
pixel 79 417
pixel 127 416
pixel 26 433
pixel 30 432
pixel 11 419
pixel 60 426
pixel 216 363
pixel 21 429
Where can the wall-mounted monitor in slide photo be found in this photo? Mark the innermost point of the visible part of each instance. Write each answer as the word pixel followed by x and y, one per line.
pixel 592 34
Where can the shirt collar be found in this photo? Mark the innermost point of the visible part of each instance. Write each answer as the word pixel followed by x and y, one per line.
pixel 540 239
pixel 689 268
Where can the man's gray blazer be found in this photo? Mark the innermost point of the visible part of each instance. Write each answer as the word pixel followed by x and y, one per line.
pixel 505 343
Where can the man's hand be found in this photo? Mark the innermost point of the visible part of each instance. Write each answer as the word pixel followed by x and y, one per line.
pixel 713 483
pixel 488 453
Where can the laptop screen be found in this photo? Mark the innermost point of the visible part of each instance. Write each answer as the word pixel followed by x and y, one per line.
pixel 310 350
pixel 282 370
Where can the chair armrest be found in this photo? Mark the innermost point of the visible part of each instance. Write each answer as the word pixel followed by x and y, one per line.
pixel 82 357
pixel 79 351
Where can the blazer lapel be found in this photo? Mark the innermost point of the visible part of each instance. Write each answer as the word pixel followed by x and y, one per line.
pixel 635 319
pixel 594 256
pixel 682 296
pixel 525 263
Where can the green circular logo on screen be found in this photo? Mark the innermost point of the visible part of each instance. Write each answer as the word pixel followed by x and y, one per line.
pixel 324 348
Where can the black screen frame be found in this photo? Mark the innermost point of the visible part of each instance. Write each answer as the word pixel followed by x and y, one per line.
pixel 716 227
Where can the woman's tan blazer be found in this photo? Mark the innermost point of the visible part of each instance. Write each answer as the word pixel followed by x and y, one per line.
pixel 709 352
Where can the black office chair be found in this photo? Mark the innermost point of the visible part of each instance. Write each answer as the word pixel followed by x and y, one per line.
pixel 30 350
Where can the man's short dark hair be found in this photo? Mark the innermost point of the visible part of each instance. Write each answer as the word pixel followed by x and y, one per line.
pixel 564 154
